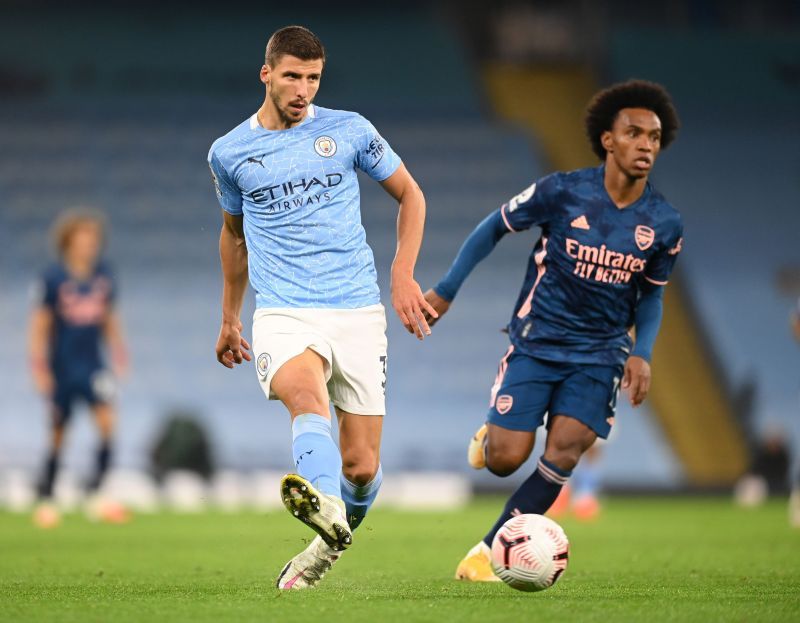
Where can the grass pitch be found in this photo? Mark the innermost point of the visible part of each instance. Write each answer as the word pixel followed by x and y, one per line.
pixel 643 560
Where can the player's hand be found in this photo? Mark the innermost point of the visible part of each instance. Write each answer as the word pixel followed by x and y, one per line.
pixel 43 380
pixel 636 379
pixel 411 306
pixel 119 363
pixel 438 303
pixel 232 348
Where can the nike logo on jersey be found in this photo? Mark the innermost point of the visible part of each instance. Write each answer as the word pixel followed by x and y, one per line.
pixel 580 222
pixel 257 161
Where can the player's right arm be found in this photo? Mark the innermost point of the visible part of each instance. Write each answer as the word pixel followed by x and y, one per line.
pixel 476 247
pixel 38 349
pixel 528 208
pixel 231 346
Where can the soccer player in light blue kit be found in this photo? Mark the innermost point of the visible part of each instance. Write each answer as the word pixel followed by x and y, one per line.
pixel 286 180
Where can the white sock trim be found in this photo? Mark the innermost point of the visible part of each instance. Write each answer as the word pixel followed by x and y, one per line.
pixel 551 475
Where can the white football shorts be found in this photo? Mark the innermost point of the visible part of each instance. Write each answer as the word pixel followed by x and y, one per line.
pixel 351 341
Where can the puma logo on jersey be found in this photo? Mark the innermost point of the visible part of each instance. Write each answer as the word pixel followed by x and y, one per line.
pixel 580 222
pixel 257 161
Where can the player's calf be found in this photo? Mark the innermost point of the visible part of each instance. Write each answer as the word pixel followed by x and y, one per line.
pixel 567 440
pixel 506 450
pixel 504 460
pixel 359 497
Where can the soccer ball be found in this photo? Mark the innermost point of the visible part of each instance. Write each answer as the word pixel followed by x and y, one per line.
pixel 530 552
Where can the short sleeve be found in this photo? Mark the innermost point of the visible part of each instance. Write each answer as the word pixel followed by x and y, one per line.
pixel 661 264
pixel 228 193
pixel 44 292
pixel 374 155
pixel 533 206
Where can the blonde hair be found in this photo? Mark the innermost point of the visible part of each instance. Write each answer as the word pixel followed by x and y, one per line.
pixel 71 221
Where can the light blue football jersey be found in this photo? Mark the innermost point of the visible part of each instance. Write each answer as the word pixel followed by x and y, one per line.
pixel 298 191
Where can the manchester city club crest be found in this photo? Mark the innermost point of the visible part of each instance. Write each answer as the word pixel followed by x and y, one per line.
pixel 262 365
pixel 644 236
pixel 325 146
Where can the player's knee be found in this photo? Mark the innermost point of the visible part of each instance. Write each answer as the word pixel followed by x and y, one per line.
pixel 564 457
pixel 360 468
pixel 566 443
pixel 302 400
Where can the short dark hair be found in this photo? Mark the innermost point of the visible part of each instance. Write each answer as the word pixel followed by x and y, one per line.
pixel 295 41
pixel 605 106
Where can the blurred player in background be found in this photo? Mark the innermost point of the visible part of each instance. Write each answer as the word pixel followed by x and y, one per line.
pixel 608 244
pixel 580 494
pixel 286 180
pixel 75 316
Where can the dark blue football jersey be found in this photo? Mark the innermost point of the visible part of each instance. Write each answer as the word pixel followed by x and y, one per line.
pixel 80 309
pixel 586 270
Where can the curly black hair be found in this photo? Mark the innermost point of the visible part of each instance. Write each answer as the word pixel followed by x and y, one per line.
pixel 605 105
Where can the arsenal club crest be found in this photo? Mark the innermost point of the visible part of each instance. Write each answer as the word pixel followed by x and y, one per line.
pixel 644 237
pixel 504 404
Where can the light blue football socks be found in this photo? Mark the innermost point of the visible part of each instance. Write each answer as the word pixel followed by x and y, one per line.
pixel 316 456
pixel 358 499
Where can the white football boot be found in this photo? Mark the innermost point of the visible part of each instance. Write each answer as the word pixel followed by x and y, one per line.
pixel 322 513
pixel 307 568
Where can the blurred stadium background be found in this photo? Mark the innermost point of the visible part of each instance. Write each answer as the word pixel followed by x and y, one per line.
pixel 116 108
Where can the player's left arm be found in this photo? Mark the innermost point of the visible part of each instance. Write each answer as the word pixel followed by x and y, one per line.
pixel 649 312
pixel 407 298
pixel 115 339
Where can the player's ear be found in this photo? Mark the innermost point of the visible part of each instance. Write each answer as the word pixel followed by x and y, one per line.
pixel 264 74
pixel 607 141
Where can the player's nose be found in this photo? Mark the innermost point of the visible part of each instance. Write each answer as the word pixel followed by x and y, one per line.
pixel 302 89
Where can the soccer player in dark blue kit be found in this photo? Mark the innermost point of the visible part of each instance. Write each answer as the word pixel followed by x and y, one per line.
pixel 608 243
pixel 74 317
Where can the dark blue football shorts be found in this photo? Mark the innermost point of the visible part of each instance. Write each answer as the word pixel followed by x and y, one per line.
pixel 527 388
pixel 92 388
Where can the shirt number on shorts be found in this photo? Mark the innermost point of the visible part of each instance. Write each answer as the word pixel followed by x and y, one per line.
pixel 382 359
pixel 614 395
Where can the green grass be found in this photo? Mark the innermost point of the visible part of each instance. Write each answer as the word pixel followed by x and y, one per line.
pixel 644 560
